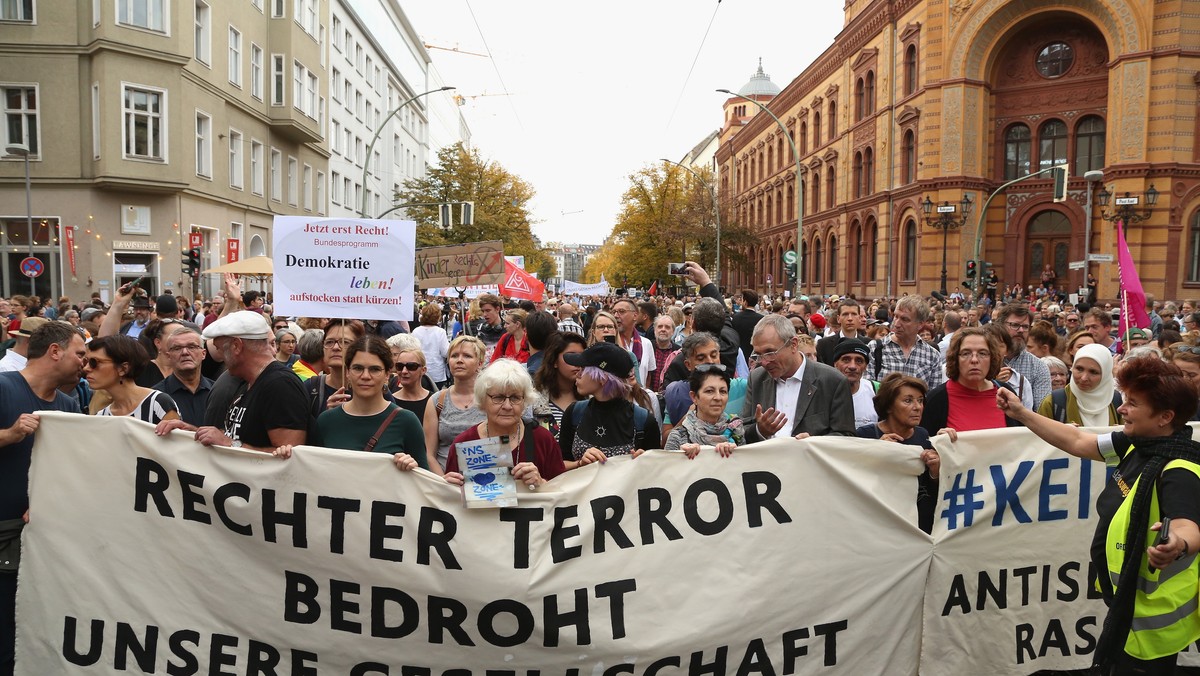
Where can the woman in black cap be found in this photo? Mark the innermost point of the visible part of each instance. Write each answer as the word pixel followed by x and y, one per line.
pixel 608 424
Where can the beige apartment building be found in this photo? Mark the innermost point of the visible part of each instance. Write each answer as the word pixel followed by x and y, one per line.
pixel 151 121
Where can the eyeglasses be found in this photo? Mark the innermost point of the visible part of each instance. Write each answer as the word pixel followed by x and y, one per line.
pixel 605 327
pixel 982 355
pixel 359 369
pixel 499 399
pixel 95 362
pixel 344 343
pixel 408 366
pixel 767 356
pixel 176 349
pixel 1015 326
pixel 705 368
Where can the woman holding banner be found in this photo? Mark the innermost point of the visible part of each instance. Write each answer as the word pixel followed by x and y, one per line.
pixel 1151 594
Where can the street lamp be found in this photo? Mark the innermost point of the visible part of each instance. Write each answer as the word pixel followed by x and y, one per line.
pixel 371 147
pixel 22 150
pixel 945 221
pixel 799 187
pixel 1124 210
pixel 716 212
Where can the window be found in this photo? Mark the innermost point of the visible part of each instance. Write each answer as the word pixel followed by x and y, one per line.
pixel 858 175
pixel 818 259
pixel 1017 147
pixel 235 57
pixel 1193 262
pixel 816 130
pixel 336 29
pixel 830 187
pixel 277 80
pixel 856 251
pixel 21 117
pixel 1089 145
pixel 358 105
pixel 337 137
pixel 1052 144
pixel 95 120
pixel 203 48
pixel 859 102
pixel 335 87
pixel 869 94
pixel 276 177
pixel 145 126
pixel 910 70
pixel 293 179
pixel 307 190
pixel 779 152
pixel 310 16
pixel 816 190
pixel 910 251
pixel 257 4
pixel 832 272
pixel 276 9
pixel 256 71
pixel 909 157
pixel 320 204
pixel 256 167
pixel 312 91
pixel 16 10
pixel 335 188
pixel 358 58
pixel 872 250
pixel 203 145
pixel 298 71
pixel 803 139
pixel 235 159
pixel 1055 60
pixel 791 203
pixel 369 118
pixel 832 120
pixel 868 171
pixel 148 14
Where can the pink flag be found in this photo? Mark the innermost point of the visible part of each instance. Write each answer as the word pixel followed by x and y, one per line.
pixel 1133 298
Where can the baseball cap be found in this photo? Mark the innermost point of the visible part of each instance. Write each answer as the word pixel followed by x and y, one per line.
pixel 851 346
pixel 241 324
pixel 604 356
pixel 1135 332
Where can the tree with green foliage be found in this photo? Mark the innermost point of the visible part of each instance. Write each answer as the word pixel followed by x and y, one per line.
pixel 501 205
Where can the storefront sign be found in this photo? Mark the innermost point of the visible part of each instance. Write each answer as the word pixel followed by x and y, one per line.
pixel 233 250
pixel 133 245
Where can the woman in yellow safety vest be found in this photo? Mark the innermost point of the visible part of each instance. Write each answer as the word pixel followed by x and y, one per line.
pixel 1152 597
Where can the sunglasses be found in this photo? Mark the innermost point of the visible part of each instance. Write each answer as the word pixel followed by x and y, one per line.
pixel 95 362
pixel 409 366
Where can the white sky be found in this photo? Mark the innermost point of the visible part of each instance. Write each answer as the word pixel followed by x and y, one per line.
pixel 593 85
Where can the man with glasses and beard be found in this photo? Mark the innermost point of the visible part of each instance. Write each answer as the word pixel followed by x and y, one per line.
pixel 186 384
pixel 1016 320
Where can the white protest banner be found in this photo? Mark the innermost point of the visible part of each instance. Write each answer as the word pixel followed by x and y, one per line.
pixel 597 289
pixel 787 558
pixel 471 292
pixel 344 267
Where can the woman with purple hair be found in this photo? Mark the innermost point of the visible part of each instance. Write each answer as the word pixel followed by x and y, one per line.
pixel 607 424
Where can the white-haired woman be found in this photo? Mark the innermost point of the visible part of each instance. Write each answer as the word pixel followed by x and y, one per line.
pixel 501 391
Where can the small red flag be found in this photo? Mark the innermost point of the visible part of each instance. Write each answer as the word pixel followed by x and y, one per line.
pixel 653 290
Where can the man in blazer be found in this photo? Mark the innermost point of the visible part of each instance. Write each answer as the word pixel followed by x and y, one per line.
pixel 790 396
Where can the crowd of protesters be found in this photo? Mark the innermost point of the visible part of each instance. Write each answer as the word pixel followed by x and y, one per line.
pixel 573 381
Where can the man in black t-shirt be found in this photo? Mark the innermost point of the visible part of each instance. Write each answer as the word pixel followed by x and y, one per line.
pixel 270 409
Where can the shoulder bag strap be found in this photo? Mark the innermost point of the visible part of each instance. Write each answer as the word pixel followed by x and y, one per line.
pixel 379 432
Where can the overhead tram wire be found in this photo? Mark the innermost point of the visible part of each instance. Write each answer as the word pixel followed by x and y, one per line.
pixel 692 69
pixel 495 66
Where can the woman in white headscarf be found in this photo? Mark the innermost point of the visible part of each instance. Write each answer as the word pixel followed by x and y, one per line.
pixel 1090 398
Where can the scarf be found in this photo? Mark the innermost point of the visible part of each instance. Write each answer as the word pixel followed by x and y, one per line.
pixel 701 432
pixel 1093 405
pixel 1159 450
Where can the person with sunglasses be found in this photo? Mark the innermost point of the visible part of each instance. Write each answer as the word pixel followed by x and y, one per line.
pixel 113 364
pixel 369 421
pixel 707 423
pixel 501 391
pixel 411 387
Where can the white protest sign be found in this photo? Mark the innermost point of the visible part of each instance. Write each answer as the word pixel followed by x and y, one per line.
pixel 787 558
pixel 344 267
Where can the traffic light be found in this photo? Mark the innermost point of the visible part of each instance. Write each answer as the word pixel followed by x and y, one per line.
pixel 467 213
pixel 972 269
pixel 191 262
pixel 1059 172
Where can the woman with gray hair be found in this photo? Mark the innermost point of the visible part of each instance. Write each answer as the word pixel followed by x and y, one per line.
pixel 501 391
pixel 285 347
pixel 311 348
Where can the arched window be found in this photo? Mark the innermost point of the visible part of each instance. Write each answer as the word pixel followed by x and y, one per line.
pixel 818 256
pixel 1052 144
pixel 830 187
pixel 791 202
pixel 909 151
pixel 779 209
pixel 816 130
pixel 802 264
pixel 761 213
pixel 1193 261
pixel 910 250
pixel 872 247
pixel 816 191
pixel 803 138
pixel 1016 152
pixel 779 152
pixel 868 171
pixel 832 273
pixel 832 120
pixel 869 94
pixel 858 174
pixel 770 157
pixel 770 204
pixel 762 168
pixel 1089 145
pixel 856 251
pixel 859 93
pixel 910 70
